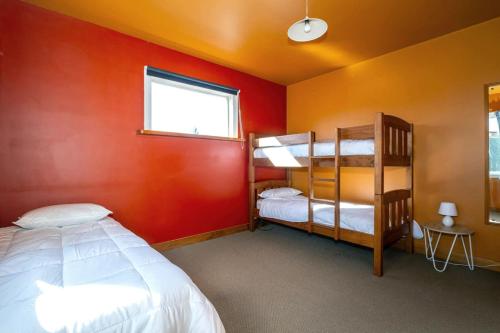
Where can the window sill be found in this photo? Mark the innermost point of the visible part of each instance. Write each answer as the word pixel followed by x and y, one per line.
pixel 185 135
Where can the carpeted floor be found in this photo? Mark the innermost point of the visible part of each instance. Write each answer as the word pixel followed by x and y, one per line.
pixel 284 280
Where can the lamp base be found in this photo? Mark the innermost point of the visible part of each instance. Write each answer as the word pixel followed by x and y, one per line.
pixel 448 221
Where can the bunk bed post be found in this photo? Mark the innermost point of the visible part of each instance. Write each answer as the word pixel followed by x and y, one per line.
pixel 409 238
pixel 378 240
pixel 251 183
pixel 379 153
pixel 378 237
pixel 337 138
pixel 310 182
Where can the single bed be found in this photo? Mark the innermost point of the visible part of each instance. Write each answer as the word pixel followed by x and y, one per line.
pixel 95 277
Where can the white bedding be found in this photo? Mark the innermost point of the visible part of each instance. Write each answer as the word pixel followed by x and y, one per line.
pixel 95 277
pixel 354 217
pixel 347 148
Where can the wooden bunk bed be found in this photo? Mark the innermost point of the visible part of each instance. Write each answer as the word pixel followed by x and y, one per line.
pixel 393 210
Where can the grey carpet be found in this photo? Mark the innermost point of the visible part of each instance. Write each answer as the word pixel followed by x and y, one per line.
pixel 284 280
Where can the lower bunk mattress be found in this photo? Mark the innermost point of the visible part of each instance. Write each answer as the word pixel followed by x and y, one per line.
pixel 356 217
pixel 95 277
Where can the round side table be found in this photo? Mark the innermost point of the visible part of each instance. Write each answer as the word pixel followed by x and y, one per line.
pixel 432 229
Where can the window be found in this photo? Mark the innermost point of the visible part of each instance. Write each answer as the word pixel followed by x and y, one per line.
pixel 180 104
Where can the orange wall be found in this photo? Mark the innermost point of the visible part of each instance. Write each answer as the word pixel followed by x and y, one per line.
pixel 439 86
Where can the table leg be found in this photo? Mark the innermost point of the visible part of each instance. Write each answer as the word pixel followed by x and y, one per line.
pixel 425 243
pixel 471 254
pixel 470 262
pixel 433 251
pixel 465 251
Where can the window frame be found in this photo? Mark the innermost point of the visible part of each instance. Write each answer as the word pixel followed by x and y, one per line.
pixel 152 74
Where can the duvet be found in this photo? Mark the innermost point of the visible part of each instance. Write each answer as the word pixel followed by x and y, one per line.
pixel 95 277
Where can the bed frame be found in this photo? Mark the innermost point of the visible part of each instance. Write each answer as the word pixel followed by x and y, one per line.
pixel 393 216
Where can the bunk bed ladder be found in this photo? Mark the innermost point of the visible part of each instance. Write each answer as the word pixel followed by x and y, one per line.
pixel 335 179
pixel 381 137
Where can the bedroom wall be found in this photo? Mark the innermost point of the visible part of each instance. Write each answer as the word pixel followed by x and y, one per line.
pixel 439 86
pixel 71 101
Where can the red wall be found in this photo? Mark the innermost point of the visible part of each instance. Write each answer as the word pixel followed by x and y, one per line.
pixel 71 101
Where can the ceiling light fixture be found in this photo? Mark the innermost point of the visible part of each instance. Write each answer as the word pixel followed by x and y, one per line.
pixel 307 29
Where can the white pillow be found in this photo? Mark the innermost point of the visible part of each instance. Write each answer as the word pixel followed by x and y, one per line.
pixel 280 192
pixel 62 215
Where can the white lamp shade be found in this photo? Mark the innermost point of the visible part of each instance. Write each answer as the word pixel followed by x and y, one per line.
pixel 448 209
pixel 298 32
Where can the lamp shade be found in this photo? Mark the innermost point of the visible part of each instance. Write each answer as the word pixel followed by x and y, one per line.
pixel 307 29
pixel 448 209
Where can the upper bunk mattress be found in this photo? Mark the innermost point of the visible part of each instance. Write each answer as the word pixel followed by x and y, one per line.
pixel 347 148
pixel 95 277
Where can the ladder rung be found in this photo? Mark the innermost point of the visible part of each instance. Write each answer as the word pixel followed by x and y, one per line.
pixel 324 201
pixel 324 179
pixel 322 157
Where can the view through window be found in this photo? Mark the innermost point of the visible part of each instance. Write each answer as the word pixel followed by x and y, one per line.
pixel 184 105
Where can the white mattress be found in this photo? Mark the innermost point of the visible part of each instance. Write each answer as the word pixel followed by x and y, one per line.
pixel 347 148
pixel 95 277
pixel 354 217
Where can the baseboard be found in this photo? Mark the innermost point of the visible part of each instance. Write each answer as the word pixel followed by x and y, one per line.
pixel 419 246
pixel 171 244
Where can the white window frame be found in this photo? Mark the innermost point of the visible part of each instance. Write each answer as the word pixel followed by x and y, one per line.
pixel 233 103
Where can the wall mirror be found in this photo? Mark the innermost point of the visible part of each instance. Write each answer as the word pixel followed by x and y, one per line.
pixel 493 101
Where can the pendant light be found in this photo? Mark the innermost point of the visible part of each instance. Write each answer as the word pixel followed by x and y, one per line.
pixel 307 29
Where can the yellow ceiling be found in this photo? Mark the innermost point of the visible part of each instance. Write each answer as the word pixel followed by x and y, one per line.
pixel 250 35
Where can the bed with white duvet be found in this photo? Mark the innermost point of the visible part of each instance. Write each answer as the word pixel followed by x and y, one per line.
pixel 95 277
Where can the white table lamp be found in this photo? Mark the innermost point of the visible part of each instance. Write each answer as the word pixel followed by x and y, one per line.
pixel 448 209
